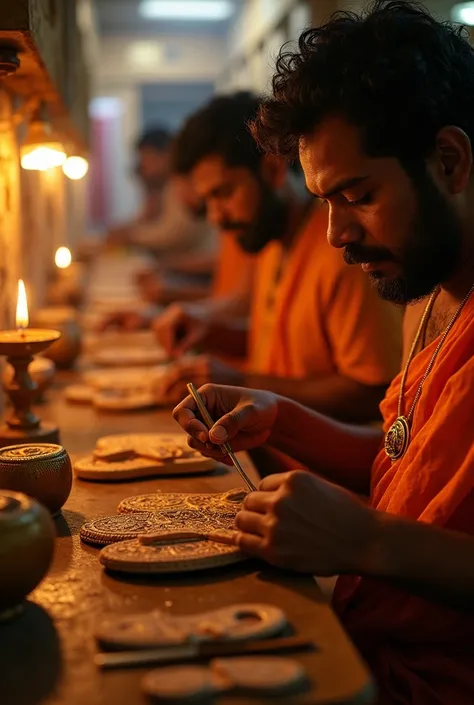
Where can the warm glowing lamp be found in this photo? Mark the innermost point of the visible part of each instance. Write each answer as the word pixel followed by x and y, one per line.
pixel 63 257
pixel 75 167
pixel 20 345
pixel 42 148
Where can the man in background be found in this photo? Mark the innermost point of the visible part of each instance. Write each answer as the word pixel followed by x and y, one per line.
pixel 171 226
pixel 318 332
pixel 172 219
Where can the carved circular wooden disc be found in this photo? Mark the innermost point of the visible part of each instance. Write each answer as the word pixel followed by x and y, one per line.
pixel 122 527
pixel 133 557
pixel 149 455
pixel 180 683
pixel 91 468
pixel 224 504
pixel 256 675
pixel 260 674
pixel 78 394
pixel 123 399
pixel 145 442
pixel 123 378
pixel 128 356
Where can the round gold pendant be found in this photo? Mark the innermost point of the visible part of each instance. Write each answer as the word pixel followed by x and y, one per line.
pixel 397 438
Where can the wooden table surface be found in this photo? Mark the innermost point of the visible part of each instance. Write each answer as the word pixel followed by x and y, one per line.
pixel 46 656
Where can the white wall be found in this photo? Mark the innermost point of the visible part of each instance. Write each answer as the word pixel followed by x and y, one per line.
pixel 256 39
pixel 132 60
pixel 254 22
pixel 120 106
pixel 125 63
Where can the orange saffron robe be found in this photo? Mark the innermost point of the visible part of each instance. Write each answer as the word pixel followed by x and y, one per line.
pixel 322 317
pixel 421 652
pixel 411 322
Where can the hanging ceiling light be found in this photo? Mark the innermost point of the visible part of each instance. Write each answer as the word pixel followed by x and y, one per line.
pixel 42 148
pixel 463 12
pixel 210 10
pixel 75 167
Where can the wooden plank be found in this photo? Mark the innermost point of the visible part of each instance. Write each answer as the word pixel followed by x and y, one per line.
pixel 78 593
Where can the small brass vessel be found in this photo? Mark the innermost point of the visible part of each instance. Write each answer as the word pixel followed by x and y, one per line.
pixel 26 548
pixel 40 470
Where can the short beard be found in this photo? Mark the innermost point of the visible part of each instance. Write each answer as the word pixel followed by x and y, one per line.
pixel 396 290
pixel 270 223
pixel 431 256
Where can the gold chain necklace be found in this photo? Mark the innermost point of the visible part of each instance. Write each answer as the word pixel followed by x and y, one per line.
pixel 398 435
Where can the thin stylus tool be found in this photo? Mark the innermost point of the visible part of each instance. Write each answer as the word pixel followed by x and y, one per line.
pixel 225 447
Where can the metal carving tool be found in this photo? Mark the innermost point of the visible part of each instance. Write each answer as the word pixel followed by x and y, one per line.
pixel 191 651
pixel 225 447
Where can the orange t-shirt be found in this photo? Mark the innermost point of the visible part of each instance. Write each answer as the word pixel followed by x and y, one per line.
pixel 422 652
pixel 322 316
pixel 234 269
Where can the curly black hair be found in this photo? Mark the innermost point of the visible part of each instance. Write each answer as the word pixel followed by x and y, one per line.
pixel 157 137
pixel 395 72
pixel 221 127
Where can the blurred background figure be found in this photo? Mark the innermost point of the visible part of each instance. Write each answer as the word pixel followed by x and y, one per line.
pixel 152 171
pixel 172 219
pixel 171 226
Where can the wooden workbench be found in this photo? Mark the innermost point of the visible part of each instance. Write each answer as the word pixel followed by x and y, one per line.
pixel 46 656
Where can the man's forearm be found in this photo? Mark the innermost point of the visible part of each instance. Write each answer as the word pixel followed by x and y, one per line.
pixel 341 452
pixel 233 306
pixel 177 291
pixel 199 263
pixel 336 396
pixel 434 563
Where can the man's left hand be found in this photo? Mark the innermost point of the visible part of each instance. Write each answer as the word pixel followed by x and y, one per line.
pixel 301 522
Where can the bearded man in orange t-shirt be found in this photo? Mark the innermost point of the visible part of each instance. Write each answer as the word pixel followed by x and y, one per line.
pixel 317 331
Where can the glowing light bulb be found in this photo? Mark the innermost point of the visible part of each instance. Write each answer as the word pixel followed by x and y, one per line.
pixel 43 147
pixel 42 158
pixel 75 168
pixel 210 10
pixel 22 318
pixel 63 257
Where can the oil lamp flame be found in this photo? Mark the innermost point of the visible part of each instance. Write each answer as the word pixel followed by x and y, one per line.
pixel 21 307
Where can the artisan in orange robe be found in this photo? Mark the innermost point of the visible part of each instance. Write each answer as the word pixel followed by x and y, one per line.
pixel 379 109
pixel 410 643
pixel 411 321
